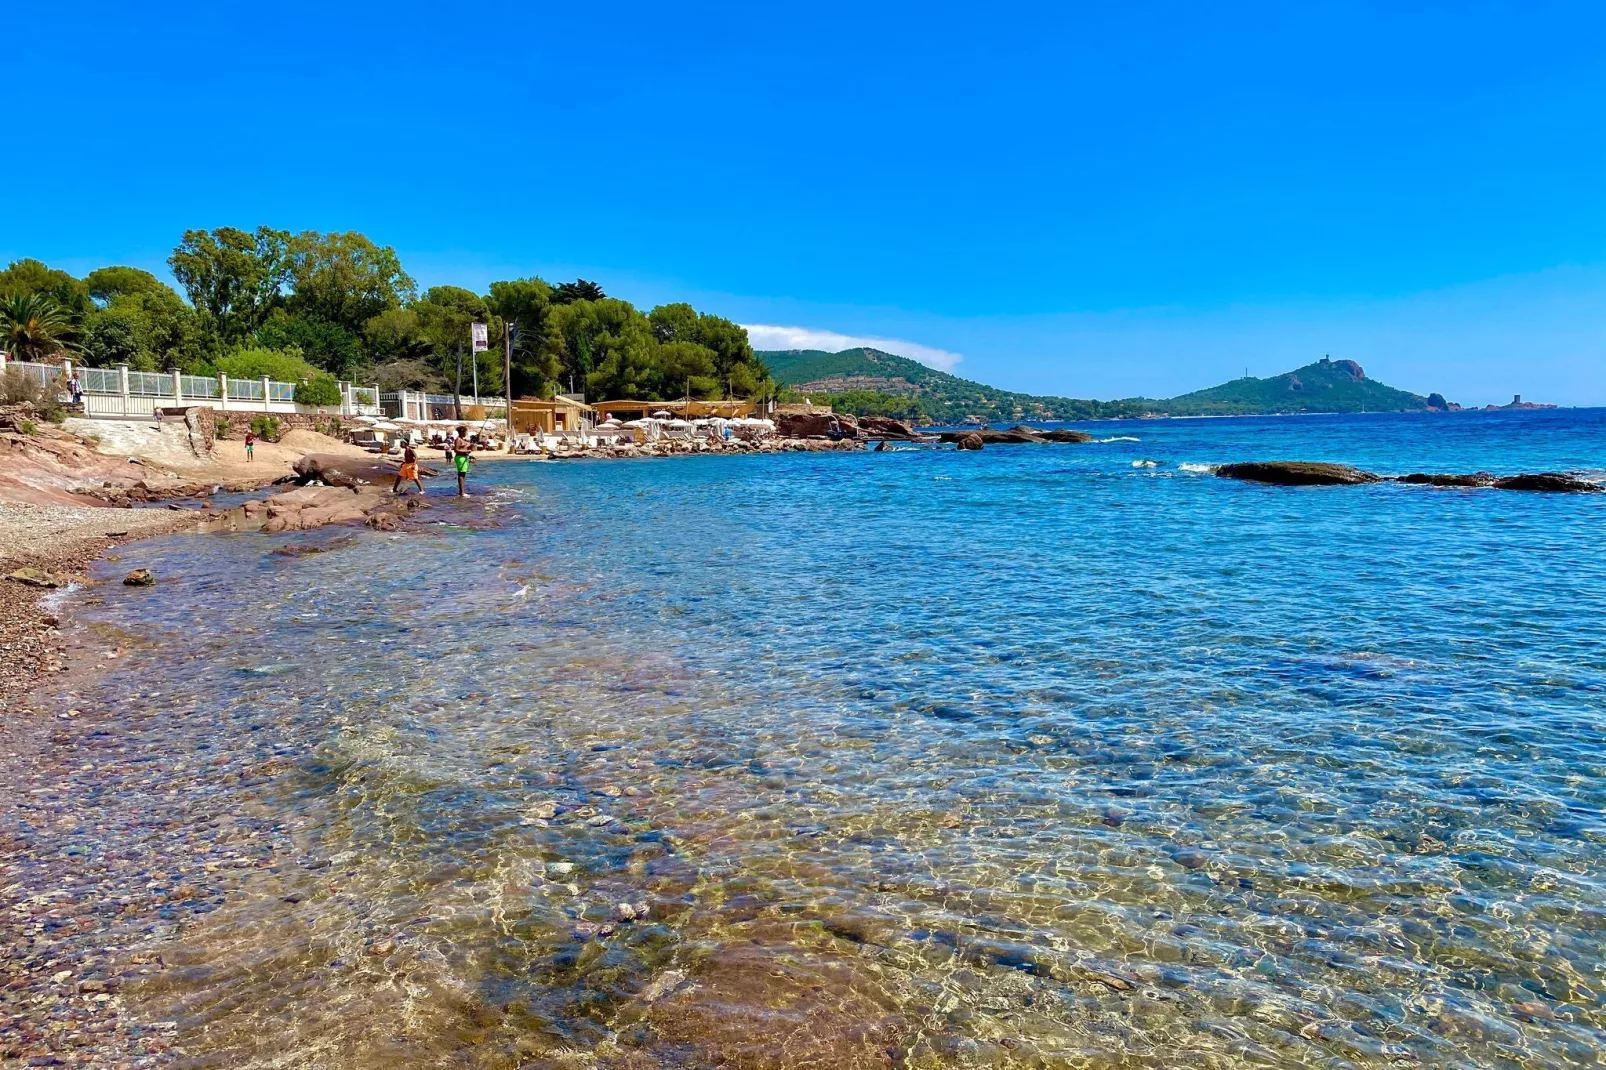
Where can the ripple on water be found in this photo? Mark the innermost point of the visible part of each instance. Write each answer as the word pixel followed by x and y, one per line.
pixel 860 760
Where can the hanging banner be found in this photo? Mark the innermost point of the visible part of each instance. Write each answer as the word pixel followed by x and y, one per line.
pixel 481 335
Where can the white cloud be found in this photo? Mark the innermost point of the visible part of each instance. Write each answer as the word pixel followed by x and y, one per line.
pixel 766 336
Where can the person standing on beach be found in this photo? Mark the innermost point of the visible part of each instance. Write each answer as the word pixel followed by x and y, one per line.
pixel 409 470
pixel 250 446
pixel 462 457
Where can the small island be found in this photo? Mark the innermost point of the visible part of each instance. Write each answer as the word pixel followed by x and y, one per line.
pixel 1517 403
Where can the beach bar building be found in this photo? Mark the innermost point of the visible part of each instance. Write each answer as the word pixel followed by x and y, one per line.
pixel 557 416
pixel 684 409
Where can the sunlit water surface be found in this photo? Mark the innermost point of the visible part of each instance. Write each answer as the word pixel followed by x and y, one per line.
pixel 1027 757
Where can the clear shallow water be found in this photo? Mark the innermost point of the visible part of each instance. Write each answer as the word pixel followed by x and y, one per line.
pixel 1020 758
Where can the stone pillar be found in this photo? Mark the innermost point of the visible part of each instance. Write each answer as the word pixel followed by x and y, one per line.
pixel 265 393
pixel 122 388
pixel 178 388
pixel 223 391
pixel 345 397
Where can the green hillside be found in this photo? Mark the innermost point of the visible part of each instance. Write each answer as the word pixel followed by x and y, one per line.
pixel 868 381
pixel 1325 386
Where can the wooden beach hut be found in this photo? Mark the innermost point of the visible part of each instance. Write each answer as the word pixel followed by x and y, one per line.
pixel 555 416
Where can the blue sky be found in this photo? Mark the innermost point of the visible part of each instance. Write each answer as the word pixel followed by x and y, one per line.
pixel 1095 200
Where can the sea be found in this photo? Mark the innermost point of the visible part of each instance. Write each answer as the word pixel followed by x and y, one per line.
pixel 1038 756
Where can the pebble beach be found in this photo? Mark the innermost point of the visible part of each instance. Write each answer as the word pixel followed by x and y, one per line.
pixel 67 919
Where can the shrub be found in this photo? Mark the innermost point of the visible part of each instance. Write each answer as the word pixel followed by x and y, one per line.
pixel 318 390
pixel 28 427
pixel 286 365
pixel 265 426
pixel 16 386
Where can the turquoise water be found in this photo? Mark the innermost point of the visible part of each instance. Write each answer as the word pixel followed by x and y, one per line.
pixel 1027 757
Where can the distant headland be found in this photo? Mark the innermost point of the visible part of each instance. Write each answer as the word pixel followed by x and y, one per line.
pixel 869 382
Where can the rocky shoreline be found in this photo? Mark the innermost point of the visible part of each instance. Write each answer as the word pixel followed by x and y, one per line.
pixel 54 545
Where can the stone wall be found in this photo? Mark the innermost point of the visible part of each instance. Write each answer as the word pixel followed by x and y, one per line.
pixel 234 424
pixel 199 424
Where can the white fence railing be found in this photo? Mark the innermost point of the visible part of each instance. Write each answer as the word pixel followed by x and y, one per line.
pixel 99 380
pixel 418 405
pixel 42 374
pixel 121 391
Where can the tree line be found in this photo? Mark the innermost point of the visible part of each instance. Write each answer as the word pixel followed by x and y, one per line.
pixel 320 306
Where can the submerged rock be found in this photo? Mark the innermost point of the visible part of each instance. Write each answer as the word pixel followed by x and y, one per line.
pixel 972 441
pixel 1447 479
pixel 989 436
pixel 140 577
pixel 1297 473
pixel 1018 435
pixel 1553 482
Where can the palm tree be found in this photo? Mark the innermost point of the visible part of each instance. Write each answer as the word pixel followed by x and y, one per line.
pixel 33 328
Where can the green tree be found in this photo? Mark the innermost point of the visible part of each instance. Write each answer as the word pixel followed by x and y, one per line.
pixel 627 361
pixel 582 335
pixel 526 305
pixel 345 279
pixel 444 317
pixel 146 333
pixel 139 320
pixel 567 293
pixel 108 283
pixel 395 334
pixel 233 278
pixel 34 328
pixel 734 365
pixel 327 345
pixel 685 368
pixel 112 338
pixel 32 278
pixel 408 373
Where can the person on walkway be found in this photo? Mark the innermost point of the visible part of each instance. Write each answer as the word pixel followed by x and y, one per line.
pixel 250 445
pixel 75 390
pixel 409 470
pixel 462 457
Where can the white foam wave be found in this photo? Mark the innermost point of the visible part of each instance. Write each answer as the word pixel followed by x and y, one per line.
pixel 1145 464
pixel 1196 467
pixel 1121 438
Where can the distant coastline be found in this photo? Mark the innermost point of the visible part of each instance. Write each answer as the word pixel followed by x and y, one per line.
pixel 870 382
